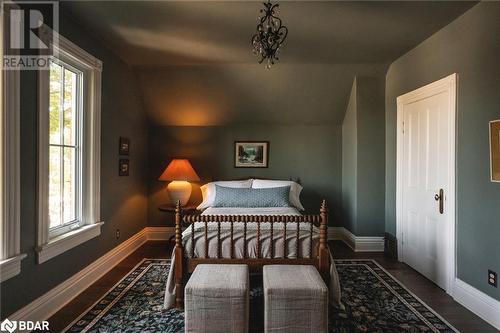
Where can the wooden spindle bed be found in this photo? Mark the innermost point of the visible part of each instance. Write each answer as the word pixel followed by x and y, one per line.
pixel 186 264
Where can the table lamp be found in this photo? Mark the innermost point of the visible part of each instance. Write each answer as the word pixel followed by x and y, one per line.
pixel 179 173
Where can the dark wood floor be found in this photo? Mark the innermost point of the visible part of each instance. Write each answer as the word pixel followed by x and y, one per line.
pixel 457 315
pixel 461 318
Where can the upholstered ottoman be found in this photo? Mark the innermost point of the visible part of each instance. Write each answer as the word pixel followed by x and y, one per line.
pixel 295 299
pixel 216 299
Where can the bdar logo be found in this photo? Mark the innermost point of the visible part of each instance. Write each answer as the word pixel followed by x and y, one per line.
pixel 8 325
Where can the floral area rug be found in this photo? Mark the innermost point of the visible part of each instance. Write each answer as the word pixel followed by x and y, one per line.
pixel 373 300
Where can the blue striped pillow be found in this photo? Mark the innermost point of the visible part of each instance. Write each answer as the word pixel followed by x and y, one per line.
pixel 252 197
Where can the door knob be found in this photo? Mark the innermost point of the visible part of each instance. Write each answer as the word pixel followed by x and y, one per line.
pixel 440 197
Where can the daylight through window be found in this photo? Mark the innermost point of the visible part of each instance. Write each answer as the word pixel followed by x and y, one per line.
pixel 64 147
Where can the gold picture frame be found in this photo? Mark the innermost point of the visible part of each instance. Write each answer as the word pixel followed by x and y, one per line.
pixel 251 154
pixel 495 150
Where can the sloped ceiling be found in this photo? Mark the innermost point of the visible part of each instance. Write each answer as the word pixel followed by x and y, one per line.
pixel 249 94
pixel 195 65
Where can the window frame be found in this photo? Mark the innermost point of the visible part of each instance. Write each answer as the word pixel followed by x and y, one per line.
pixel 53 244
pixel 10 209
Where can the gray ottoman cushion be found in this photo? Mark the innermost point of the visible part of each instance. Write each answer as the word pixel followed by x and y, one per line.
pixel 216 299
pixel 295 299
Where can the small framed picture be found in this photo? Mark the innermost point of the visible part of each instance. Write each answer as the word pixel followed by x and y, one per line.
pixel 251 154
pixel 124 167
pixel 495 150
pixel 124 146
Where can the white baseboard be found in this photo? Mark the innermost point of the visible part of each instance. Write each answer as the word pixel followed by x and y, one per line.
pixel 335 233
pixel 478 302
pixel 48 304
pixel 356 243
pixel 159 233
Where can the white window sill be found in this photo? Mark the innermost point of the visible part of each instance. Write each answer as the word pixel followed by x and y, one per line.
pixel 69 240
pixel 10 267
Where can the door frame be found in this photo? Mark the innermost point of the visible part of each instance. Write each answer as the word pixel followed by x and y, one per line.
pixel 447 84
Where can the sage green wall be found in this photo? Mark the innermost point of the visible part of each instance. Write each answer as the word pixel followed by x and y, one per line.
pixel 350 162
pixel 363 164
pixel 123 199
pixel 470 47
pixel 371 156
pixel 309 152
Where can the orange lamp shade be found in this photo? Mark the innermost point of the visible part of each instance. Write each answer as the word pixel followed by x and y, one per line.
pixel 179 169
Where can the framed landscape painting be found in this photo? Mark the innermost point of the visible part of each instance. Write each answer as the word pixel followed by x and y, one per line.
pixel 251 154
pixel 495 150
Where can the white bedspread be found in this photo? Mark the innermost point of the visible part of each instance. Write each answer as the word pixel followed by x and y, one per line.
pixel 251 242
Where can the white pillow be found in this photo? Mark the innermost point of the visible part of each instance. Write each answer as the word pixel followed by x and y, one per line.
pixel 208 190
pixel 295 189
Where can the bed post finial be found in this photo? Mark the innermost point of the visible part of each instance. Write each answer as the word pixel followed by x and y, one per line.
pixel 324 256
pixel 179 257
pixel 324 207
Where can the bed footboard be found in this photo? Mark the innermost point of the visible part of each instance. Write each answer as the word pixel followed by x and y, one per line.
pixel 183 266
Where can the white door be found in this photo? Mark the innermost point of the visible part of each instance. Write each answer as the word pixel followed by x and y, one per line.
pixel 427 164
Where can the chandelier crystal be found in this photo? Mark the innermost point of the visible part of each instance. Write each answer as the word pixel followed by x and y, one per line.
pixel 270 35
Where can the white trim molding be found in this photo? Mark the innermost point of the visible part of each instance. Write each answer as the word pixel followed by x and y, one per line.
pixel 448 84
pixel 48 304
pixel 10 248
pixel 11 267
pixel 478 302
pixel 51 243
pixel 160 233
pixel 356 243
pixel 67 241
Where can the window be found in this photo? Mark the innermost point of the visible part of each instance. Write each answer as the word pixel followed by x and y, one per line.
pixel 69 150
pixel 65 127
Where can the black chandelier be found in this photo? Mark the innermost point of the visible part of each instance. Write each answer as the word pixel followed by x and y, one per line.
pixel 270 35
